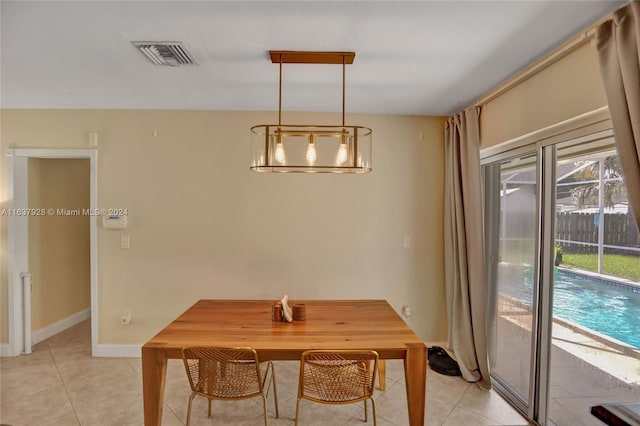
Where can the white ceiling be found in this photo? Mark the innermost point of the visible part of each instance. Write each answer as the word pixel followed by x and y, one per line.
pixel 412 57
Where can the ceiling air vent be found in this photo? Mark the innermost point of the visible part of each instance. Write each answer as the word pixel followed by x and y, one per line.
pixel 166 53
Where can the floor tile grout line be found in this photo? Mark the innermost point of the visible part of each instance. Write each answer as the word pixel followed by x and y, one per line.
pixel 176 415
pixel 137 373
pixel 449 414
pixel 64 386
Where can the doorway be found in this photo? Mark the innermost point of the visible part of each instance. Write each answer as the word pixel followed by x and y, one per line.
pixel 19 261
pixel 59 262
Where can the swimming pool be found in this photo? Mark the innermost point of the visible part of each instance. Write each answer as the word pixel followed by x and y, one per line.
pixel 602 307
pixel 593 303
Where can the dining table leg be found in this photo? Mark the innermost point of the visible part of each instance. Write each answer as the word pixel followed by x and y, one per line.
pixel 382 373
pixel 415 371
pixel 154 371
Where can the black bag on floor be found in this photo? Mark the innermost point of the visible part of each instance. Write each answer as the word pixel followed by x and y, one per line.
pixel 441 362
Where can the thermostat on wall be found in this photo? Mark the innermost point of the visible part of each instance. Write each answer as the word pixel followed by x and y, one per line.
pixel 114 222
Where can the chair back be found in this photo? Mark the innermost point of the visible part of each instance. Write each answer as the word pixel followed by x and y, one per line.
pixel 337 376
pixel 223 372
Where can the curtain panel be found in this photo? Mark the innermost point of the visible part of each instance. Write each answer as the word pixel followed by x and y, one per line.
pixel 464 247
pixel 618 44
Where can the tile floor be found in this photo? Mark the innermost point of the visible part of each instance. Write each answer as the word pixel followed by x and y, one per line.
pixel 61 384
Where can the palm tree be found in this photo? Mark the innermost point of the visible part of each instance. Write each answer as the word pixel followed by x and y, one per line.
pixel 587 193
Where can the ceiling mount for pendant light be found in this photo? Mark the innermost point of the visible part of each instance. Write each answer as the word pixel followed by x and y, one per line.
pixel 308 148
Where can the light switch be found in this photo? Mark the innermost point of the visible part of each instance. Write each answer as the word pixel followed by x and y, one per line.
pixel 124 241
pixel 407 242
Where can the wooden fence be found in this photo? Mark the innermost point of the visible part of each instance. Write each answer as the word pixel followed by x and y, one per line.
pixel 620 230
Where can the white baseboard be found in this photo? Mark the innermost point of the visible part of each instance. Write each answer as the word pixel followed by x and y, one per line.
pixel 58 326
pixel 102 350
pixel 117 351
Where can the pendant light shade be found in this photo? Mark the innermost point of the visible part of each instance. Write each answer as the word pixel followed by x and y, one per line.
pixel 308 148
pixel 311 149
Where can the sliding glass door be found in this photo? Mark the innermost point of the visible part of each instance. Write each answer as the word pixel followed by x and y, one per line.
pixel 563 274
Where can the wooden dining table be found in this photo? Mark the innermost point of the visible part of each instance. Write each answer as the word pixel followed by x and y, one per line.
pixel 329 324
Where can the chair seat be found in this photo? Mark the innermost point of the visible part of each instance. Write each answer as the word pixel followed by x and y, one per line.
pixel 227 374
pixel 337 377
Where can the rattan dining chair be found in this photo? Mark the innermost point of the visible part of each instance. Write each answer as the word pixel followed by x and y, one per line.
pixel 338 377
pixel 228 374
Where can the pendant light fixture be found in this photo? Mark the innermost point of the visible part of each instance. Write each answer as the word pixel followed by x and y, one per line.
pixel 308 148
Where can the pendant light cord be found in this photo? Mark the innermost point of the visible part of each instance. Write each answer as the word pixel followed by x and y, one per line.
pixel 344 71
pixel 343 88
pixel 280 96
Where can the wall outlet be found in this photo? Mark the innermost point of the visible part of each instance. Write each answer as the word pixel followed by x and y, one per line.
pixel 406 311
pixel 124 241
pixel 126 317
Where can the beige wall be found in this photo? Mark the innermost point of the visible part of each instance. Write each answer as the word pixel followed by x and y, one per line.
pixel 566 89
pixel 203 226
pixel 58 244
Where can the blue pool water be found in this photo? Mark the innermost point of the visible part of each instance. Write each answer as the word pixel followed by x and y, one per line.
pixel 607 309
pixel 591 303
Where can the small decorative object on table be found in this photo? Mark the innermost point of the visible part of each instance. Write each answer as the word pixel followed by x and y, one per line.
pixel 276 311
pixel 287 313
pixel 299 312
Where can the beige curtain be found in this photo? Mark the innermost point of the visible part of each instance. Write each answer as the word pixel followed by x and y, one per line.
pixel 464 247
pixel 618 42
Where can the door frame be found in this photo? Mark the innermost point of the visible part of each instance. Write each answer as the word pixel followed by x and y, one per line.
pixel 18 237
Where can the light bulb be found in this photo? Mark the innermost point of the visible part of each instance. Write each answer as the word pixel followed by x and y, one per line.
pixel 311 153
pixel 342 153
pixel 311 149
pixel 279 155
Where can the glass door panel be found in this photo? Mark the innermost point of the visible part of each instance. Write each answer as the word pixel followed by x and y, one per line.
pixel 595 350
pixel 510 212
